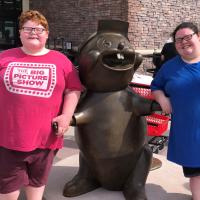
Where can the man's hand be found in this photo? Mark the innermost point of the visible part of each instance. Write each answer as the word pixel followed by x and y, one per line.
pixel 60 124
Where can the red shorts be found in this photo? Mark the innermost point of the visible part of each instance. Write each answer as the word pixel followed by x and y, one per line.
pixel 18 169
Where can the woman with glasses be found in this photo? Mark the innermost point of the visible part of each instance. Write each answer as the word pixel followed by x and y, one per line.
pixel 38 87
pixel 177 88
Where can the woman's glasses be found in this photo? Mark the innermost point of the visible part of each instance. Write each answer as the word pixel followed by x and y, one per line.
pixel 37 30
pixel 186 38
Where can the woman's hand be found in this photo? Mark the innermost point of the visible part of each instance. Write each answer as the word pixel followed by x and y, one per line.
pixel 166 105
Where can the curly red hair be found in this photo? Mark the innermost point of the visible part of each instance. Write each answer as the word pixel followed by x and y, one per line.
pixel 35 16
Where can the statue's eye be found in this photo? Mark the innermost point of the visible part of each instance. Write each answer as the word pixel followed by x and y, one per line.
pixel 107 44
pixel 102 43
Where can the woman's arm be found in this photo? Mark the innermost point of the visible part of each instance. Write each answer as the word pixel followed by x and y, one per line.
pixel 164 101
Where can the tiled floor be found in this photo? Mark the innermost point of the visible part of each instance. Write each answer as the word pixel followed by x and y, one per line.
pixel 165 183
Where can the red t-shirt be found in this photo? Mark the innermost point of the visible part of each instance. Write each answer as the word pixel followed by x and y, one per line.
pixel 31 95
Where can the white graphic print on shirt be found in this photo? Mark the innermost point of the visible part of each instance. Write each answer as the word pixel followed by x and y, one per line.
pixel 34 79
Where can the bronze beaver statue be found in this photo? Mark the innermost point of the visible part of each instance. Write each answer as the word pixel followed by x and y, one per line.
pixel 110 123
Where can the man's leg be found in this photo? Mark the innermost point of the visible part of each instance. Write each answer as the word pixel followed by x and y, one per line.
pixel 34 193
pixel 10 196
pixel 40 164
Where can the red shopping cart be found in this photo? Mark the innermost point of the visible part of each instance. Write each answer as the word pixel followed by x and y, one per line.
pixel 157 124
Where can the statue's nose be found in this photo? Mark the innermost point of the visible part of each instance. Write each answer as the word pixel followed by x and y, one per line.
pixel 121 46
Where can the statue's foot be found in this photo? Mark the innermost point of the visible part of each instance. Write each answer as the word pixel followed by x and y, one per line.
pixel 136 198
pixel 137 195
pixel 79 185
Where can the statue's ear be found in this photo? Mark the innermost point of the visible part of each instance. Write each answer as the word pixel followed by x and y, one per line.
pixel 138 60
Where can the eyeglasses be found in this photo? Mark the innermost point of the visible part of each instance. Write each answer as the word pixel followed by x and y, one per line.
pixel 37 30
pixel 186 38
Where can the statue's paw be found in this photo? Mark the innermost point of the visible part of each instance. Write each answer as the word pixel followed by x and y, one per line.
pixel 78 186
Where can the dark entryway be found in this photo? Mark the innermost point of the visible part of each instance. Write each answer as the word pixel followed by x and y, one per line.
pixel 9 13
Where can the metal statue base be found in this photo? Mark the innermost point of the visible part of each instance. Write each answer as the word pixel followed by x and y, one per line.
pixel 155 164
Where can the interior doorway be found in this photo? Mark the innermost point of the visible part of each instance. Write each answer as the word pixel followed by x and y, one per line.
pixel 9 13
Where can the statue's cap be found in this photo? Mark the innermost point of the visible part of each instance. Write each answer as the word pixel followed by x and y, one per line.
pixel 116 26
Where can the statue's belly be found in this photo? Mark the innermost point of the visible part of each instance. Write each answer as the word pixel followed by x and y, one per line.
pixel 112 138
pixel 105 139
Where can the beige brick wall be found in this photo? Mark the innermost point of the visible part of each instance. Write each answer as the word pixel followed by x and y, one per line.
pixel 150 22
pixel 77 19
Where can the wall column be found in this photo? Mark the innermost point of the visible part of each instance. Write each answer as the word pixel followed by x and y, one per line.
pixel 25 5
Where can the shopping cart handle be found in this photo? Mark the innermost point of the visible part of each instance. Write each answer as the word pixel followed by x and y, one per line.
pixel 152 124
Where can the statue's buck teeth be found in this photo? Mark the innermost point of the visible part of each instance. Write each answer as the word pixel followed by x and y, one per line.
pixel 120 56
